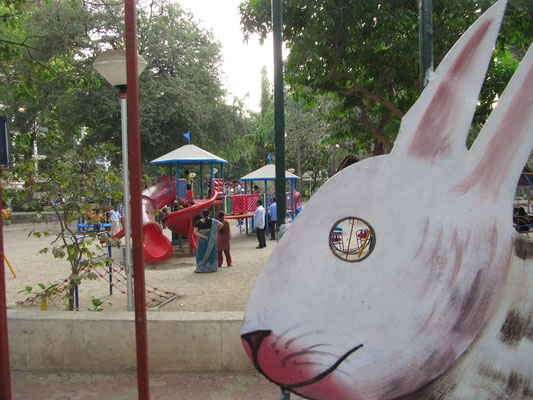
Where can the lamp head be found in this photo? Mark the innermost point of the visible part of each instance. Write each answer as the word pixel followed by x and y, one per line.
pixel 111 65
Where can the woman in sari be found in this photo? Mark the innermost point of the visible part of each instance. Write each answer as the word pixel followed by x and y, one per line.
pixel 206 255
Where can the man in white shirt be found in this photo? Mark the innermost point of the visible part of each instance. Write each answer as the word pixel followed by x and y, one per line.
pixel 114 217
pixel 259 224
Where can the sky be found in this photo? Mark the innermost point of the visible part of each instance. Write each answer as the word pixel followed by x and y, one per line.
pixel 242 62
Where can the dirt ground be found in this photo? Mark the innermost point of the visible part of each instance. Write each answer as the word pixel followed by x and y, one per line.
pixel 225 290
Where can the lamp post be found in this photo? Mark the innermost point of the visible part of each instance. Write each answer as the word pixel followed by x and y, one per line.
pixel 111 65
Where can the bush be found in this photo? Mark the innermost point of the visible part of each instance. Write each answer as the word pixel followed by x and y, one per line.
pixel 23 205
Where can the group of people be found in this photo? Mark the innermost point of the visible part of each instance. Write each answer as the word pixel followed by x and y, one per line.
pixel 105 216
pixel 213 242
pixel 214 236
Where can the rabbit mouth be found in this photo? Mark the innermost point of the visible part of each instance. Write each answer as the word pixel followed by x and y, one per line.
pixel 291 367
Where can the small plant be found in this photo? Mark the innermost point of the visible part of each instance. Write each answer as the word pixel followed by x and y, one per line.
pixel 97 304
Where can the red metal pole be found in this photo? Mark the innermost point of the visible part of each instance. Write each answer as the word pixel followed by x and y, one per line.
pixel 134 152
pixel 5 384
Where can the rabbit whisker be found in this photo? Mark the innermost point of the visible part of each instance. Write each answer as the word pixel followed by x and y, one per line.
pixel 290 341
pixel 327 371
pixel 316 364
pixel 307 352
pixel 283 334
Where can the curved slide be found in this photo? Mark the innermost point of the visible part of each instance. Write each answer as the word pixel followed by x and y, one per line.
pixel 180 221
pixel 157 246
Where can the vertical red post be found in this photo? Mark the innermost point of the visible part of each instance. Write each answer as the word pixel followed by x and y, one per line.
pixel 134 152
pixel 5 378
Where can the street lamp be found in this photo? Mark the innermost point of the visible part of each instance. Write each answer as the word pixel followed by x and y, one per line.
pixel 111 65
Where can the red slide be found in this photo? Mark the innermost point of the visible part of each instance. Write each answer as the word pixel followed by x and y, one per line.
pixel 157 246
pixel 180 221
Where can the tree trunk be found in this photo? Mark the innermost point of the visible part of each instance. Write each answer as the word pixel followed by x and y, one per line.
pixel 71 299
pixel 378 148
pixel 332 166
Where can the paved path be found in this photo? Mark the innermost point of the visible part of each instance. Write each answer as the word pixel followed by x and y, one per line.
pixel 123 386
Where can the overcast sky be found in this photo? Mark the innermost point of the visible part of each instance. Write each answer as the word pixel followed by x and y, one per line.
pixel 242 62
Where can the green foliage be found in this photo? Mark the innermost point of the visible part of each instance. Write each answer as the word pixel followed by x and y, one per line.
pixel 97 304
pixel 79 182
pixel 55 100
pixel 363 56
pixel 306 145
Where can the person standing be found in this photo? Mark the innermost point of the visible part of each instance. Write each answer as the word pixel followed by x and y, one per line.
pixel 188 180
pixel 223 238
pixel 259 223
pixel 114 217
pixel 272 212
pixel 206 255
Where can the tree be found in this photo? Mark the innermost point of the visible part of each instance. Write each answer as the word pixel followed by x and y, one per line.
pixel 53 91
pixel 180 91
pixel 262 125
pixel 78 183
pixel 308 146
pixel 39 74
pixel 364 55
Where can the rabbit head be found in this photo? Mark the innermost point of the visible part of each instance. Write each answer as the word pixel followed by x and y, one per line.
pixel 440 231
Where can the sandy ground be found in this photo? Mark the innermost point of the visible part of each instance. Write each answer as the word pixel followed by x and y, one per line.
pixel 226 290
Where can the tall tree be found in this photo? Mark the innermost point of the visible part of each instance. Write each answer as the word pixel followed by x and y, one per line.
pixel 180 91
pixel 261 135
pixel 51 88
pixel 364 54
pixel 38 74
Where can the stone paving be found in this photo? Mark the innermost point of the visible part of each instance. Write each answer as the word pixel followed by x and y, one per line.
pixel 123 386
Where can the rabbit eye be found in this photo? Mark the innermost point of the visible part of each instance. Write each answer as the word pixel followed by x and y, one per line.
pixel 352 239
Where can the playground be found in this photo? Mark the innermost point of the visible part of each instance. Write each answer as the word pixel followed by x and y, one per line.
pixel 170 209
pixel 226 290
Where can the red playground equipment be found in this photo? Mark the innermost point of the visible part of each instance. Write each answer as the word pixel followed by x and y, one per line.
pixel 174 193
pixel 157 247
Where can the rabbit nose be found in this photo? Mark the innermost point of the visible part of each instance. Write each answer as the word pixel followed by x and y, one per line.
pixel 252 341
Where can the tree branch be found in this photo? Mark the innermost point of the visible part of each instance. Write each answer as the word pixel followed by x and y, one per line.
pixel 356 88
pixel 399 20
pixel 377 130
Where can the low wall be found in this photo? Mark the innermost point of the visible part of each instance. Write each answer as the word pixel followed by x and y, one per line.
pixel 29 217
pixel 96 341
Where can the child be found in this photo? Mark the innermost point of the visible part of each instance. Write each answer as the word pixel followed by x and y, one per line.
pixel 223 238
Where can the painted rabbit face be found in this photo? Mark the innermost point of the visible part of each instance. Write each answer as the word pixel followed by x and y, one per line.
pixel 439 240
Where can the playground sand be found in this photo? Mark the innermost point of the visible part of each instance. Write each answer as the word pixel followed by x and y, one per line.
pixel 226 290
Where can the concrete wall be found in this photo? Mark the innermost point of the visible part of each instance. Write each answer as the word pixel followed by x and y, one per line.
pixel 30 217
pixel 94 341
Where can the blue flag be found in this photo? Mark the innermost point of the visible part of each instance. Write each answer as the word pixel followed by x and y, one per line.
pixel 269 158
pixel 188 136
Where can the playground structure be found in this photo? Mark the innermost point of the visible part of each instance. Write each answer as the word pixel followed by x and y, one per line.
pixel 293 201
pixel 171 191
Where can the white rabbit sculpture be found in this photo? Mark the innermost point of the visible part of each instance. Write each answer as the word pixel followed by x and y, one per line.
pixel 439 277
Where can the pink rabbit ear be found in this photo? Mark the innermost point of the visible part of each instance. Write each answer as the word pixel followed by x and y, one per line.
pixel 505 142
pixel 438 123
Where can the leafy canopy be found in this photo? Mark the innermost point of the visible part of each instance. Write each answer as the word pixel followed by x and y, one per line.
pixel 363 55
